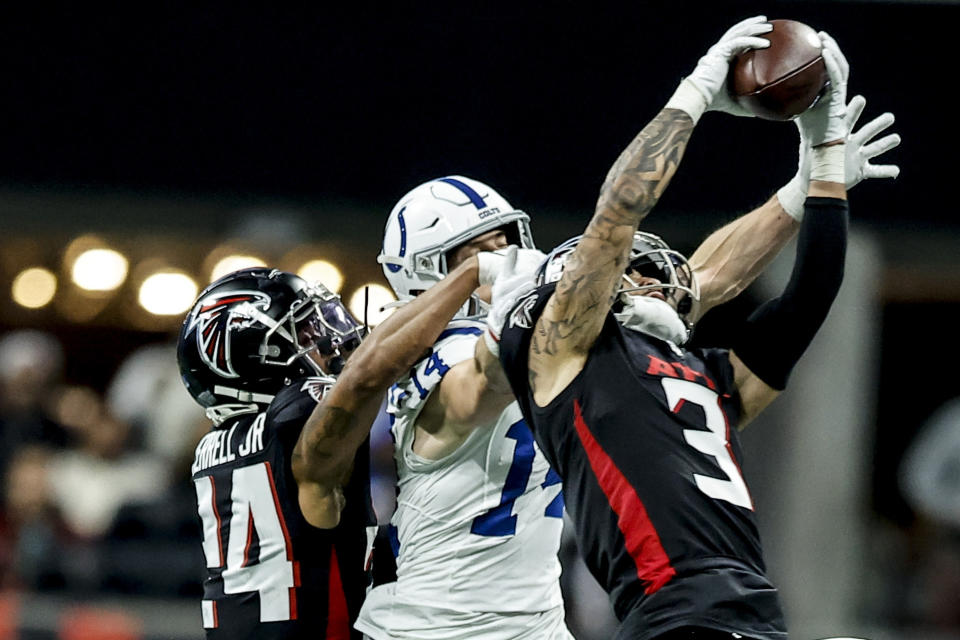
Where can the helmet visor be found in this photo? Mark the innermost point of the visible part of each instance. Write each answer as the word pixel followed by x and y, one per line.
pixel 328 326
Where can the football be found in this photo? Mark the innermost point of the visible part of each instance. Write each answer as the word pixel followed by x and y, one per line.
pixel 783 80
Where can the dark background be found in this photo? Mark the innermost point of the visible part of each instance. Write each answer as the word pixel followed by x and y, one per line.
pixel 361 104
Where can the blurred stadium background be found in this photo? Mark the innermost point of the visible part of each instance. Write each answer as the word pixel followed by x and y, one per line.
pixel 147 148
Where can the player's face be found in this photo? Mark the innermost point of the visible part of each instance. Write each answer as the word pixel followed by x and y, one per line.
pixel 641 280
pixel 489 241
pixel 329 354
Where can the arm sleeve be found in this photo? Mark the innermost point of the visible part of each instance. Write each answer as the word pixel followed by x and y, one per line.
pixel 775 336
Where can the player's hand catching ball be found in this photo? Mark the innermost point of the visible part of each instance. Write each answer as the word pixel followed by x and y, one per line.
pixel 860 151
pixel 705 89
pixel 826 121
pixel 861 148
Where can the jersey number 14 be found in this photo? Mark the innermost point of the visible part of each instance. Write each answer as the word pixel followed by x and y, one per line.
pixel 254 509
pixel 500 520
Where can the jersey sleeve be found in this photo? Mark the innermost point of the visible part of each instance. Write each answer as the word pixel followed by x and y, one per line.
pixel 456 344
pixel 295 402
pixel 515 341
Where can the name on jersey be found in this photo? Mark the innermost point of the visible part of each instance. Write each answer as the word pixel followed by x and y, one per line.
pixel 658 367
pixel 217 447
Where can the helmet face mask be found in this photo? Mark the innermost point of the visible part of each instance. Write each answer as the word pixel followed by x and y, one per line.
pixel 436 218
pixel 650 257
pixel 253 331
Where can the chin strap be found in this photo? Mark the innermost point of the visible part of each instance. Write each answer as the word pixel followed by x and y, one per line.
pixel 249 402
pixel 653 317
pixel 221 412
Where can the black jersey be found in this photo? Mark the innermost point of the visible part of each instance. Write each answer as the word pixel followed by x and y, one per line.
pixel 270 574
pixel 644 443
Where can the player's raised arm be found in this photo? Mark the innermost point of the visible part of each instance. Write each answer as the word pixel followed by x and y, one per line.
pixel 776 335
pixel 341 422
pixel 591 278
pixel 475 391
pixel 733 256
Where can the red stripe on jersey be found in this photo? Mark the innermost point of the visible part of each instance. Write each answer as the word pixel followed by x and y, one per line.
pixel 276 502
pixel 213 499
pixel 639 534
pixel 286 542
pixel 338 616
pixel 246 549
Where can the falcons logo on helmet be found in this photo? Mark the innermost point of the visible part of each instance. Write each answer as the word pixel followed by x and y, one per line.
pixel 216 317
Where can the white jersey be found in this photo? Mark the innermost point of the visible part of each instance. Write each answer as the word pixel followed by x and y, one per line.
pixel 478 529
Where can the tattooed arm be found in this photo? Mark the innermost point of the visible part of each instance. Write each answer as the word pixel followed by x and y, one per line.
pixel 323 456
pixel 734 255
pixel 575 314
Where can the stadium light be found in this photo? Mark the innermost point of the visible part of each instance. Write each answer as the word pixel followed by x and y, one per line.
pixel 34 287
pixel 323 272
pixel 232 263
pixel 379 296
pixel 167 293
pixel 99 270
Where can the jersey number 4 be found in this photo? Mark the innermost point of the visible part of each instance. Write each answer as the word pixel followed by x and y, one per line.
pixel 253 510
pixel 715 442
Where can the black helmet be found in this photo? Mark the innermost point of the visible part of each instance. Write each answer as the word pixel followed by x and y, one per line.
pixel 250 332
pixel 649 256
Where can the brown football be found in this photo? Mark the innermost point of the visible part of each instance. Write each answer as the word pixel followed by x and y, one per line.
pixel 783 80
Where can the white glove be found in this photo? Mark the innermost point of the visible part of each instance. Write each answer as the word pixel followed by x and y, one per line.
pixel 516 279
pixel 826 120
pixel 705 89
pixel 859 151
pixel 491 263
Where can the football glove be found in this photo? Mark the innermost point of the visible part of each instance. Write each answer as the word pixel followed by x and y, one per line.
pixel 491 263
pixel 705 89
pixel 826 120
pixel 859 152
pixel 516 278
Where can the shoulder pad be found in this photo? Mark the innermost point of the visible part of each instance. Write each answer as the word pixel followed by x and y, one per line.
pixel 454 345
pixel 298 399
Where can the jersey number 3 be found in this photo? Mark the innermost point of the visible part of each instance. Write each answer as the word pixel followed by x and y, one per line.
pixel 715 442
pixel 254 510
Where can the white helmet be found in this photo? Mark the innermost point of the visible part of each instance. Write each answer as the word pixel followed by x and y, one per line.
pixel 437 217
